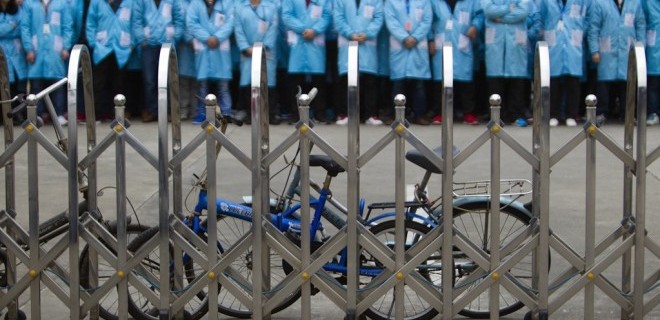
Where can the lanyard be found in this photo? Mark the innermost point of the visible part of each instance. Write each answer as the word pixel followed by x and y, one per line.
pixel 408 7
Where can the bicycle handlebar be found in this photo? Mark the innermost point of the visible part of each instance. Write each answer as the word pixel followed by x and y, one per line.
pixel 19 97
pixel 312 94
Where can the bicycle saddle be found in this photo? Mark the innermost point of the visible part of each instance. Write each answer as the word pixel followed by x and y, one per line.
pixel 333 168
pixel 419 159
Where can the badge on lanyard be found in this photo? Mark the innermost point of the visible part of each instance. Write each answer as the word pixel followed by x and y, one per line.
pixel 560 25
pixel 450 24
pixel 46 29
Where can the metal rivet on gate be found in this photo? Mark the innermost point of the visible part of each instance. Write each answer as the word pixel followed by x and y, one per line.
pixel 117 128
pixel 29 128
pixel 304 129
pixel 120 274
pixel 399 276
pixel 590 276
pixel 211 275
pixel 305 276
pixel 592 129
pixel 209 128
pixel 399 128
pixel 496 128
pixel 33 273
pixel 495 275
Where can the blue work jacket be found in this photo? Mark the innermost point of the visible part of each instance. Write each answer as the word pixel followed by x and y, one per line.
pixel 155 26
pixel 77 8
pixel 564 27
pixel 453 27
pixel 10 42
pixel 612 34
pixel 306 56
pixel 108 31
pixel 652 11
pixel 506 38
pixel 253 25
pixel 184 48
pixel 46 34
pixel 212 63
pixel 383 52
pixel 406 18
pixel 350 20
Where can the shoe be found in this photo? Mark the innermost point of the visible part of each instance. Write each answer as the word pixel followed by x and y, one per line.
pixel 199 119
pixel 652 119
pixel 387 121
pixel 470 119
pixel 62 121
pixel 148 117
pixel 600 120
pixel 520 122
pixel 437 119
pixel 374 121
pixel 342 121
pixel 570 122
pixel 554 122
pixel 421 121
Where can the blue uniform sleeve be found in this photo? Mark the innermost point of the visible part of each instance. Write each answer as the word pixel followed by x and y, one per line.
pixel 194 25
pixel 520 11
pixel 640 25
pixel 376 22
pixel 227 28
pixel 272 34
pixel 341 24
pixel 593 32
pixel 534 24
pixel 289 17
pixel 477 16
pixel 26 28
pixel 424 27
pixel 239 32
pixel 321 25
pixel 6 29
pixel 91 23
pixel 494 11
pixel 137 21
pixel 178 20
pixel 392 22
pixel 67 29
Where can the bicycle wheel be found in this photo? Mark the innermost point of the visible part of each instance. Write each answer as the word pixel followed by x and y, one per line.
pixel 139 306
pixel 108 304
pixel 416 308
pixel 473 220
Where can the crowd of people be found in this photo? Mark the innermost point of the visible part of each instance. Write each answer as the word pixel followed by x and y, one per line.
pixel 306 45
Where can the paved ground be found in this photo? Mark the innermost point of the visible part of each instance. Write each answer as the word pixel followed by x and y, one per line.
pixel 567 191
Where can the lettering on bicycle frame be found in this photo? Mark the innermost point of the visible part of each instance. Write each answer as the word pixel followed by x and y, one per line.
pixel 235 210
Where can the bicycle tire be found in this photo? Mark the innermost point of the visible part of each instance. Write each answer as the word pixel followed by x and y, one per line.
pixel 416 307
pixel 468 219
pixel 107 305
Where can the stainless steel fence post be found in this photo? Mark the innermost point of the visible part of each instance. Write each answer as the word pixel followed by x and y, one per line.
pixel 590 222
pixel 447 178
pixel 211 173
pixel 494 294
pixel 33 192
pixel 305 246
pixel 353 179
pixel 120 167
pixel 260 179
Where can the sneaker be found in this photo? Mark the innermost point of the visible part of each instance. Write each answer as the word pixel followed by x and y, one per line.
pixel 199 119
pixel 652 119
pixel 470 119
pixel 520 122
pixel 437 119
pixel 342 121
pixel 554 122
pixel 570 122
pixel 62 120
pixel 600 120
pixel 374 121
pixel 421 121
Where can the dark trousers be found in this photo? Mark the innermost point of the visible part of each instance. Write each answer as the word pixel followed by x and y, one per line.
pixel 384 103
pixel 415 92
pixel 565 92
pixel 654 94
pixel 58 97
pixel 512 91
pixel 464 97
pixel 307 82
pixel 608 92
pixel 108 81
pixel 368 96
pixel 150 56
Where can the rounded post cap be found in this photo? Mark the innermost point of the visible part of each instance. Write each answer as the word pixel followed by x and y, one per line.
pixel 495 100
pixel 399 100
pixel 591 100
pixel 31 100
pixel 120 100
pixel 210 100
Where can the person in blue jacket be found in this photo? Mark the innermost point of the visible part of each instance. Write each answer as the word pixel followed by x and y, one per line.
pixel 507 46
pixel 409 23
pixel 46 33
pixel 306 22
pixel 614 25
pixel 108 31
pixel 564 24
pixel 384 93
pixel 211 23
pixel 257 21
pixel 652 10
pixel 77 11
pixel 10 42
pixel 361 21
pixel 187 72
pixel 458 22
pixel 154 23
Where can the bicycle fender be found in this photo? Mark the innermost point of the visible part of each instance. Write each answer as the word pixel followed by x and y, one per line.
pixel 409 215
pixel 504 202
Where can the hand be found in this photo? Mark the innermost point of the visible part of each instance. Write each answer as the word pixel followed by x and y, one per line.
pixel 247 52
pixel 595 57
pixel 359 37
pixel 472 33
pixel 30 57
pixel 212 42
pixel 410 42
pixel 432 48
pixel 64 54
pixel 309 34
